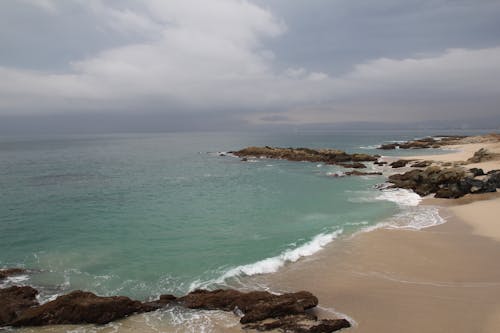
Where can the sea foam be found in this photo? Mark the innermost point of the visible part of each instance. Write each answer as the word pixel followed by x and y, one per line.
pixel 273 264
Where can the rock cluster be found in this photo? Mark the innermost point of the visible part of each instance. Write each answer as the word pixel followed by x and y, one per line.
pixel 259 310
pixel 328 156
pixel 429 142
pixel 447 182
pixel 483 155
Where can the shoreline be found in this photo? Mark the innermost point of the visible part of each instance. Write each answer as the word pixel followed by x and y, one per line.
pixel 441 278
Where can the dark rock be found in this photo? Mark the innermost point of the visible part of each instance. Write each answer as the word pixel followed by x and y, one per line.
pixel 15 300
pixel 482 155
pixel 79 307
pixel 428 142
pixel 244 159
pixel 361 173
pixel 355 165
pixel 300 324
pixel 399 163
pixel 255 305
pixel 421 164
pixel 11 272
pixel 476 172
pixel 328 156
pixel 447 182
pixel 388 146
pixel 380 163
pixel 163 301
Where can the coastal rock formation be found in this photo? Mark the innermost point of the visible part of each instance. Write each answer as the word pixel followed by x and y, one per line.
pixel 483 155
pixel 259 310
pixel 429 142
pixel 4 273
pixel 79 307
pixel 448 182
pixel 421 164
pixel 355 165
pixel 255 305
pixel 400 163
pixel 14 301
pixel 328 156
pixel 300 323
pixel 361 173
pixel 265 311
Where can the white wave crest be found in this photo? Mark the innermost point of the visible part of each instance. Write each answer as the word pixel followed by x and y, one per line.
pixel 273 264
pixel 412 218
pixel 400 196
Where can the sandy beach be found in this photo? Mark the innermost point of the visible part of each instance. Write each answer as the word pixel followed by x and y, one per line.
pixel 439 279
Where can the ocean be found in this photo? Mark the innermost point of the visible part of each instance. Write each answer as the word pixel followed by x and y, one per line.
pixel 148 214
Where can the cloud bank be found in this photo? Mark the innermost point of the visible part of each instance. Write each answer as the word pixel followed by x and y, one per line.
pixel 180 56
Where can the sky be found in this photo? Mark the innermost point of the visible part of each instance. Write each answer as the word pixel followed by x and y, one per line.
pixel 186 64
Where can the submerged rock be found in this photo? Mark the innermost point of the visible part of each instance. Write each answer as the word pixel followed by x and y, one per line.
pixel 4 273
pixel 79 307
pixel 14 301
pixel 361 173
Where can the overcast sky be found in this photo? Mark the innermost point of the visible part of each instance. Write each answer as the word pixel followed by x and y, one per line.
pixel 230 62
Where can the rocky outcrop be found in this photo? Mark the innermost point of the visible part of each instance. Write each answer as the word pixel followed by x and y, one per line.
pixel 400 163
pixel 355 165
pixel 421 164
pixel 255 305
pixel 429 142
pixel 259 310
pixel 361 173
pixel 300 323
pixel 264 311
pixel 328 156
pixel 14 301
pixel 4 273
pixel 446 182
pixel 79 307
pixel 483 155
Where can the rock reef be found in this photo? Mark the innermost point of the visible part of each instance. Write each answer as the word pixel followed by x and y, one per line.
pixel 258 310
pixel 429 142
pixel 328 156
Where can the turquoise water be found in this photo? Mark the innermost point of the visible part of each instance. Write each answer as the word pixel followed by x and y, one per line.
pixel 145 214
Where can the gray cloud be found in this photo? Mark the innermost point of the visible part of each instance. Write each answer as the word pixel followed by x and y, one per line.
pixel 259 62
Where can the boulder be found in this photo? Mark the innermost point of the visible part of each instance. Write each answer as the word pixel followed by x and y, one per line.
pixel 400 163
pixel 14 301
pixel 421 164
pixel 79 307
pixel 355 165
